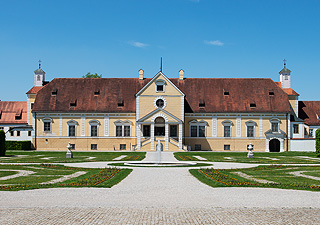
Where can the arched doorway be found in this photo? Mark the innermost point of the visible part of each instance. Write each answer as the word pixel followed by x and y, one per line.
pixel 159 126
pixel 274 145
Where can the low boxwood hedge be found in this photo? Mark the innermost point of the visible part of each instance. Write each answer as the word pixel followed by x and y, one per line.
pixel 18 145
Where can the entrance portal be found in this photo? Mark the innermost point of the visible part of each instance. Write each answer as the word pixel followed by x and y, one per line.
pixel 274 145
pixel 159 127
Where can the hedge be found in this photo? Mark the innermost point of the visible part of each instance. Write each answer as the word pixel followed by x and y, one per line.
pixel 318 142
pixel 2 143
pixel 18 145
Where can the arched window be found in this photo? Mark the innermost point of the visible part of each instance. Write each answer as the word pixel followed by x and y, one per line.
pixel 94 126
pixel 72 128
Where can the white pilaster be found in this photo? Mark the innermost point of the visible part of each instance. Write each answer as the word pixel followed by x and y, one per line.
pixel 166 137
pixel 214 126
pixel 106 126
pixel 289 127
pixel 182 108
pixel 180 136
pixel 267 145
pixel 282 145
pixel 60 126
pixel 33 126
pixel 83 126
pixel 152 136
pixel 138 134
pixel 28 110
pixel 261 129
pixel 238 134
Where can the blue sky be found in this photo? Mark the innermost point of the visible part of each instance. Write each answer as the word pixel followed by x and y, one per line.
pixel 206 38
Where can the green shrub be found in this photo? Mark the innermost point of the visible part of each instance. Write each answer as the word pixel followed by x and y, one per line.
pixel 18 145
pixel 2 143
pixel 318 142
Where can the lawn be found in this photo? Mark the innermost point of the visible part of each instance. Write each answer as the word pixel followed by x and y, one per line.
pixel 272 176
pixel 40 176
pixel 60 157
pixel 259 157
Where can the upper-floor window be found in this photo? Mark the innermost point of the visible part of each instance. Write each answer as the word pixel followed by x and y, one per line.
pixel 94 125
pixel 198 128
pixel 160 102
pixel 250 128
pixel 123 128
pixel 275 124
pixel 296 128
pixel 310 132
pixel 72 128
pixel 227 125
pixel 47 122
pixel 160 85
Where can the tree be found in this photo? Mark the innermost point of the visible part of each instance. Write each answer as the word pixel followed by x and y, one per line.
pixel 318 142
pixel 90 75
pixel 2 143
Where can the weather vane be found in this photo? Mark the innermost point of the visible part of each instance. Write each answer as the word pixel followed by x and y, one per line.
pixel 161 65
pixel 284 63
pixel 39 63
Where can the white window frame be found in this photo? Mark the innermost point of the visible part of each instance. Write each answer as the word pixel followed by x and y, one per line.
pixel 198 124
pixel 160 82
pixel 164 102
pixel 293 125
pixel 72 123
pixel 94 123
pixel 227 123
pixel 275 120
pixel 253 124
pixel 47 120
pixel 122 124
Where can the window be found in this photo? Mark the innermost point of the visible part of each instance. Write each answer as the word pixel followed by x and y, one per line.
pixel 271 93
pixel 38 78
pixel 46 126
pixel 296 128
pixel 119 131
pixel 310 132
pixel 146 130
pixel 94 146
pixel 253 105
pixel 159 88
pixel 226 93
pixel 286 77
pixel 305 131
pixel 73 146
pixel 226 147
pixel 1 128
pixel 275 127
pixel 11 133
pixel 72 124
pixel 72 130
pixel 198 128
pixel 123 128
pixel 197 147
pixel 123 146
pixel 250 131
pixel 54 92
pixel 94 130
pixel 226 131
pixel 160 103
pixel 160 85
pixel 18 133
pixel 29 133
pixel 173 131
pixel 31 105
pixel 126 131
pixel 194 131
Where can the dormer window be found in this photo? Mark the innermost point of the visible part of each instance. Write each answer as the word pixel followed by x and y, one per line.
pixel 226 93
pixel 54 92
pixel 271 93
pixel 97 92
pixel 120 103
pixel 202 104
pixel 18 115
pixel 160 85
pixel 73 103
pixel 253 105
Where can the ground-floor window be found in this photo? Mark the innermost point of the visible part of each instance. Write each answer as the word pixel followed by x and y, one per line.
pixel 73 146
pixel 123 146
pixel 18 133
pixel 146 130
pixel 197 147
pixel 173 131
pixel 295 128
pixel 226 147
pixel 29 133
pixel 94 146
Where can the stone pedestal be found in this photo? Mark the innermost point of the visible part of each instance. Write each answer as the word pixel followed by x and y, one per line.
pixel 69 154
pixel 250 154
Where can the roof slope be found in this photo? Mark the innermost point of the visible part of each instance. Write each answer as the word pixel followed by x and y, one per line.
pixel 309 112
pixel 34 90
pixel 210 91
pixel 13 112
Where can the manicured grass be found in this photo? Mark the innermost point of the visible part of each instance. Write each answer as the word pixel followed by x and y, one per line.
pixel 279 177
pixel 60 157
pixel 197 165
pixel 47 172
pixel 259 157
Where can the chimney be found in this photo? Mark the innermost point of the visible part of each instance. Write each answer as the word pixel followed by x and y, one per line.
pixel 141 74
pixel 181 72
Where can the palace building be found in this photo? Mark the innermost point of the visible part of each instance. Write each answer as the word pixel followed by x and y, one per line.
pixel 217 114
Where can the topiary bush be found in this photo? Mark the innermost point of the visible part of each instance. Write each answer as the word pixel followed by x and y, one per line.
pixel 318 142
pixel 18 145
pixel 2 143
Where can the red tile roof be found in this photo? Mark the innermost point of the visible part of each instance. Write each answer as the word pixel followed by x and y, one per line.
pixel 210 91
pixel 290 91
pixel 34 90
pixel 309 111
pixel 13 112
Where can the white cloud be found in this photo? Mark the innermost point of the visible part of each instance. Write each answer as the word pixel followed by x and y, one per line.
pixel 216 43
pixel 138 44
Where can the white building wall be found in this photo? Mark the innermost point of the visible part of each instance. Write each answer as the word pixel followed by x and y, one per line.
pixel 23 134
pixel 303 145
